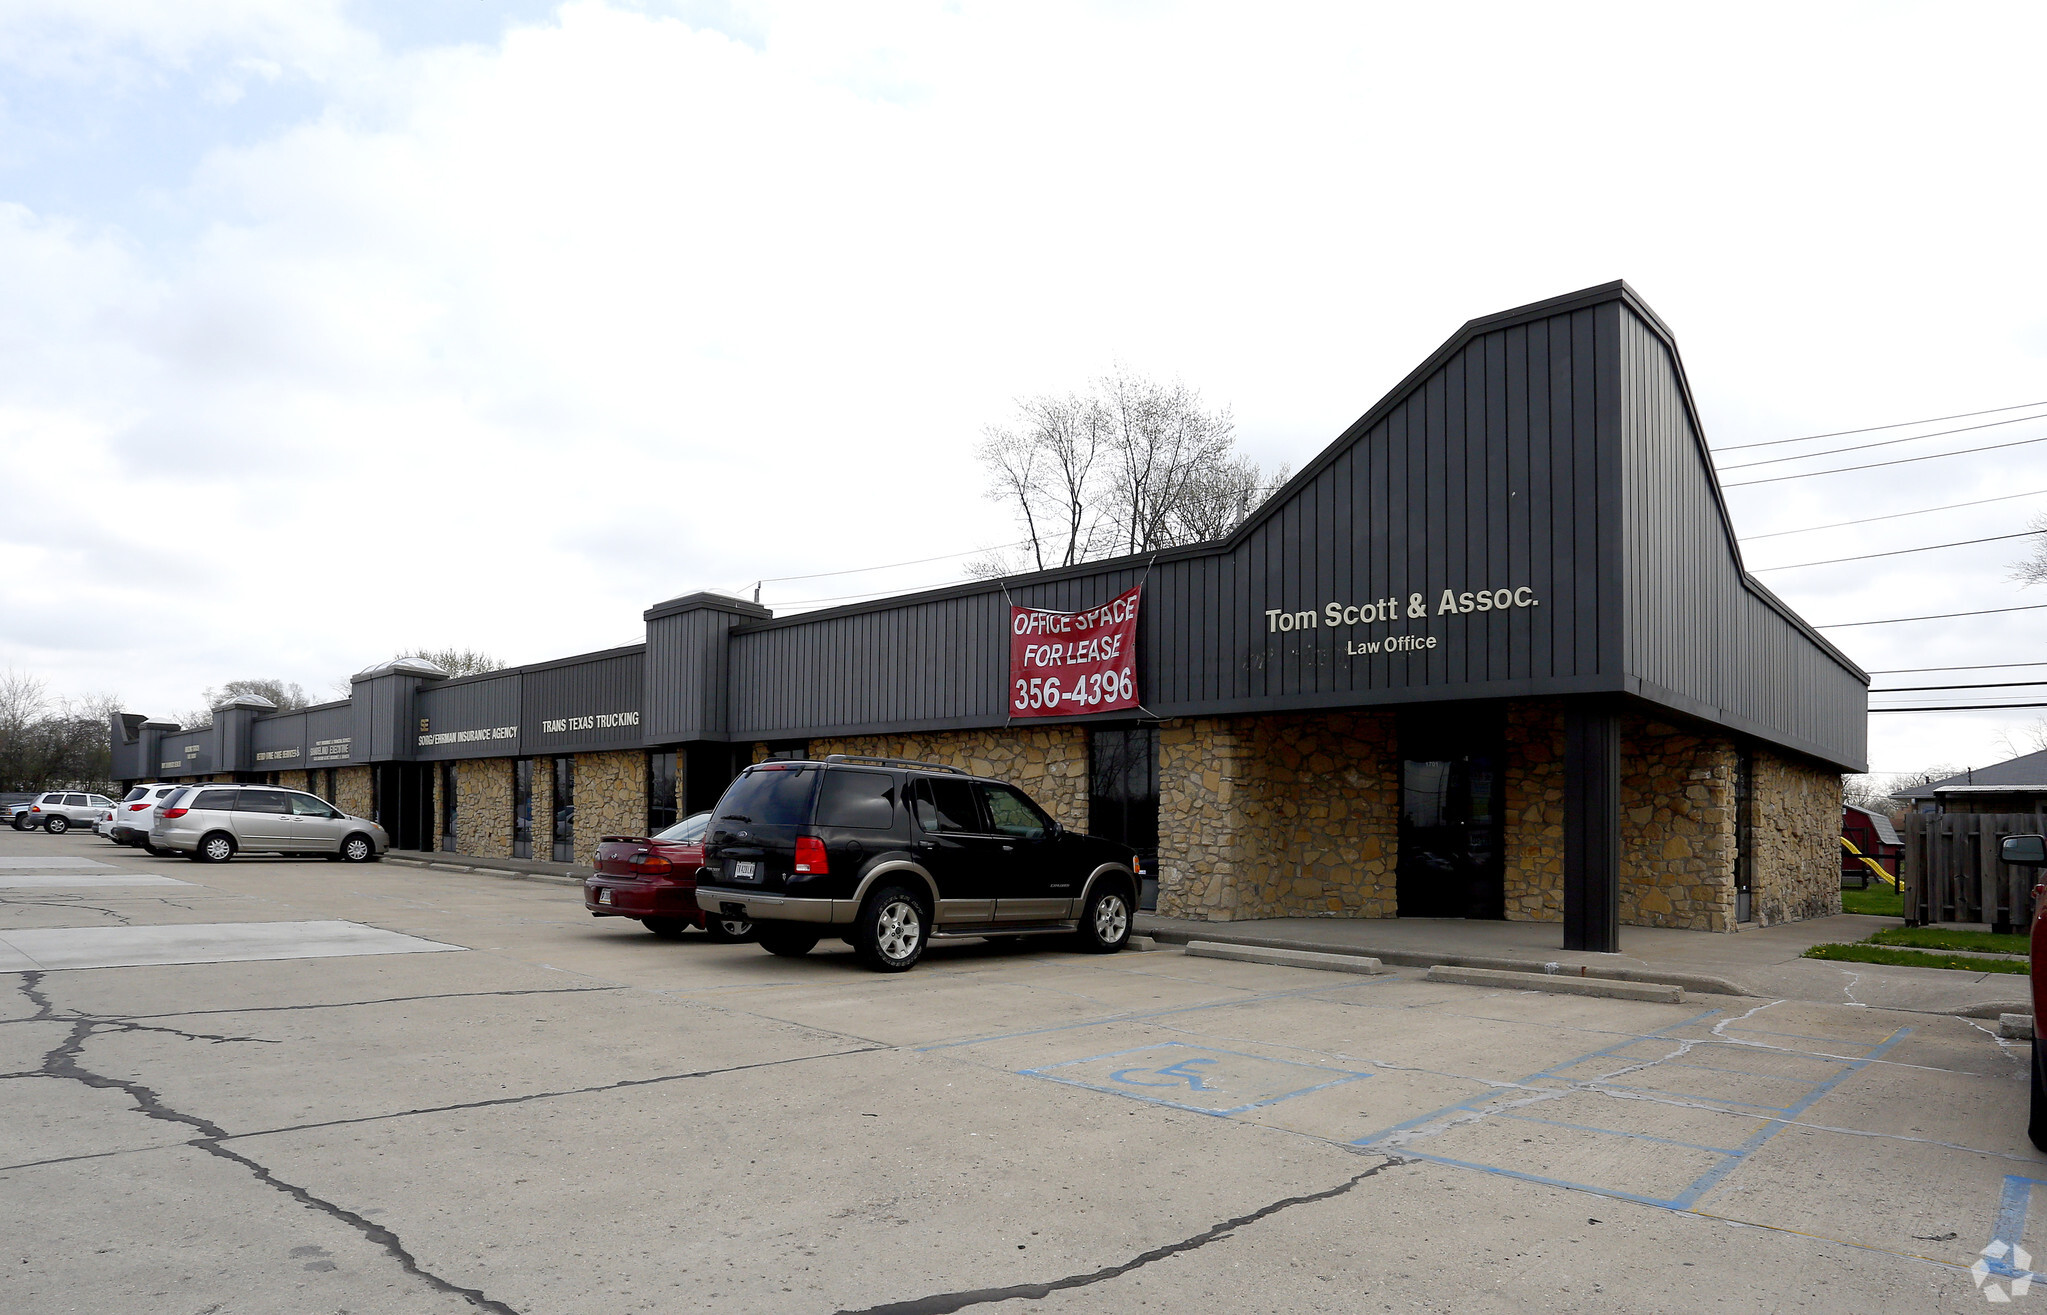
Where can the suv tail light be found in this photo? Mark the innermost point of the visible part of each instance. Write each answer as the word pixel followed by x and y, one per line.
pixel 810 856
pixel 136 808
pixel 174 812
pixel 35 808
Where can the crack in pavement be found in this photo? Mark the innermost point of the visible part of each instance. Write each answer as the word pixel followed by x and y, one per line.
pixel 63 1063
pixel 944 1303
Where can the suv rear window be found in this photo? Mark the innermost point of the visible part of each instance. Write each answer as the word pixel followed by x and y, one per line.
pixel 771 796
pixel 861 801
pixel 946 805
pixel 137 793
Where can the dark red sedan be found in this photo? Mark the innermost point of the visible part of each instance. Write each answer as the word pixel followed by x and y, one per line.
pixel 654 879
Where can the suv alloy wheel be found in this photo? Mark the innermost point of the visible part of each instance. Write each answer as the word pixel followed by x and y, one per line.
pixel 892 930
pixel 57 824
pixel 1105 923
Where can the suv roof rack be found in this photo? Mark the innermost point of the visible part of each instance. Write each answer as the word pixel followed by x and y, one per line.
pixel 895 762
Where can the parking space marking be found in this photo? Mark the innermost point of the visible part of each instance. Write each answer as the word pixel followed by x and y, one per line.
pixel 55 862
pixel 75 880
pixel 1203 1079
pixel 2013 1201
pixel 1167 1012
pixel 50 948
pixel 1402 1138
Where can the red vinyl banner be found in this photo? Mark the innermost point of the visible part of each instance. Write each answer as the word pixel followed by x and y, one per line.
pixel 1063 664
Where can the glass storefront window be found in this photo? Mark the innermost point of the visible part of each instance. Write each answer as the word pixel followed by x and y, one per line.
pixel 448 807
pixel 563 825
pixel 522 808
pixel 660 792
pixel 1123 795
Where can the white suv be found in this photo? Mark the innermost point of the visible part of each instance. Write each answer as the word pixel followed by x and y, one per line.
pixel 135 814
pixel 60 810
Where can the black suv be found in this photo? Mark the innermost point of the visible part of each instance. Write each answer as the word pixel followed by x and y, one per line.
pixel 887 853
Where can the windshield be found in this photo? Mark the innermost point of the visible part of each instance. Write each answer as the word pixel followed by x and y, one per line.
pixel 688 830
pixel 769 796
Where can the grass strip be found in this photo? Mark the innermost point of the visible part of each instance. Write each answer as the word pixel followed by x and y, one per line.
pixel 1948 938
pixel 1879 900
pixel 1895 958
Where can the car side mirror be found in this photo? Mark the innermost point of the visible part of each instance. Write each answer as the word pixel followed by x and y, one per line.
pixel 2023 851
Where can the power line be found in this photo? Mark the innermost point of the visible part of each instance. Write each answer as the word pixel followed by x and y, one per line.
pixel 1963 707
pixel 1938 616
pixel 1865 520
pixel 1889 442
pixel 1993 684
pixel 862 570
pixel 1840 433
pixel 1895 461
pixel 1899 552
pixel 1980 666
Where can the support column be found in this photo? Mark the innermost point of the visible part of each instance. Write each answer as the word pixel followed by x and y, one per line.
pixel 1592 827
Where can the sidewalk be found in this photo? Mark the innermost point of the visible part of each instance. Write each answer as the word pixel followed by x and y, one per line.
pixel 1763 962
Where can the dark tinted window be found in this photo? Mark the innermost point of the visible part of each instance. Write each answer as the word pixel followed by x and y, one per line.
pixel 74 801
pixel 1012 814
pixel 770 797
pixel 864 801
pixel 223 800
pixel 134 795
pixel 946 805
pixel 307 806
pixel 263 801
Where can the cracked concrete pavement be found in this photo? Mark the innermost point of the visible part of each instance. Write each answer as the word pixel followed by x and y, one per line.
pixel 569 1115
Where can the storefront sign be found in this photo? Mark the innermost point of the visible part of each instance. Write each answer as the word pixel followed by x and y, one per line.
pixel 469 737
pixel 327 749
pixel 1065 663
pixel 602 721
pixel 276 755
pixel 1414 608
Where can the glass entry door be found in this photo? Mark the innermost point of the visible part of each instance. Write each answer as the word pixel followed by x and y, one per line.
pixel 1451 810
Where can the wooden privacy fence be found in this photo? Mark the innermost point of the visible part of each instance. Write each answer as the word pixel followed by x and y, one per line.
pixel 1953 874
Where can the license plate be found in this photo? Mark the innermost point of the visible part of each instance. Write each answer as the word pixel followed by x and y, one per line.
pixel 744 870
pixel 604 896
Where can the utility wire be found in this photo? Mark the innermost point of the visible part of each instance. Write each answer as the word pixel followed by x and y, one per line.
pixel 1889 442
pixel 1865 520
pixel 1994 684
pixel 1963 707
pixel 1981 666
pixel 1938 616
pixel 1839 433
pixel 1895 461
pixel 1899 552
pixel 862 570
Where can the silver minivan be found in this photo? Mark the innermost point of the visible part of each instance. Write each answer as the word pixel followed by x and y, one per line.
pixel 213 823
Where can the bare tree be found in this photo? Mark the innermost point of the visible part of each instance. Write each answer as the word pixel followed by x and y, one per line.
pixel 44 747
pixel 1128 465
pixel 2019 741
pixel 2033 570
pixel 458 661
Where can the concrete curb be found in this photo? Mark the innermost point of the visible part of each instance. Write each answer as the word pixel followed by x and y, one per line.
pixel 509 874
pixel 1283 958
pixel 1656 992
pixel 1700 982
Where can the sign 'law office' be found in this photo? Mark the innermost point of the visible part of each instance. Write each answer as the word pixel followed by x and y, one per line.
pixel 1062 664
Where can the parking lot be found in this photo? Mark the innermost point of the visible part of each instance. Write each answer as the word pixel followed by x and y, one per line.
pixel 304 1086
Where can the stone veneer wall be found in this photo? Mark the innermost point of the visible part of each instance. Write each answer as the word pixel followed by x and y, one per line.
pixel 483 807
pixel 1532 834
pixel 1279 816
pixel 1677 825
pixel 1049 762
pixel 611 799
pixel 1795 831
pixel 352 790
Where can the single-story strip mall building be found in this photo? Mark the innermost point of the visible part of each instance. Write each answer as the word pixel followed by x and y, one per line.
pixel 1492 654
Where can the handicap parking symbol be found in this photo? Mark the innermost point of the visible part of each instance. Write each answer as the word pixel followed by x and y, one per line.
pixel 1204 1079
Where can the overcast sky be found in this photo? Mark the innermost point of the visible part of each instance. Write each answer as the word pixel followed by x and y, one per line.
pixel 331 328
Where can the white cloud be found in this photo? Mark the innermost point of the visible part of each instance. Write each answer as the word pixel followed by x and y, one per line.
pixel 507 341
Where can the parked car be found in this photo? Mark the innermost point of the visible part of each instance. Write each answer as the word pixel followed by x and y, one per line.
pixel 14 804
pixel 2031 852
pixel 213 823
pixel 136 813
pixel 59 810
pixel 886 853
pixel 654 879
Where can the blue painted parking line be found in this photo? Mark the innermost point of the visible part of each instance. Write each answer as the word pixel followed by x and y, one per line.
pixel 1774 1117
pixel 1168 1012
pixel 2011 1227
pixel 1616 1132
pixel 1202 1079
